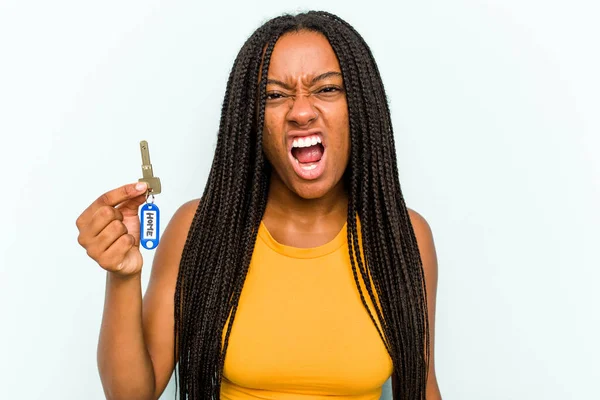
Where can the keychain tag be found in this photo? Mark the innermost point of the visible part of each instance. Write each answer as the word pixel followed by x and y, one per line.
pixel 149 214
pixel 150 225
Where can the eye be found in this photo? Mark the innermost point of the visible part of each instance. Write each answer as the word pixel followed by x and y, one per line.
pixel 275 96
pixel 330 91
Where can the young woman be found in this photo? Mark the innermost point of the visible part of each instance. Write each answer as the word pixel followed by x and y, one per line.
pixel 300 273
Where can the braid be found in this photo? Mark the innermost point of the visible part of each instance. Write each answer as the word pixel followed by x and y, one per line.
pixel 221 239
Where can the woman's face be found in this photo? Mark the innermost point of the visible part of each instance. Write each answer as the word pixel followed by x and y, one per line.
pixel 306 130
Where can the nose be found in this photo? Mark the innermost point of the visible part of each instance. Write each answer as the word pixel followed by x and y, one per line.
pixel 302 112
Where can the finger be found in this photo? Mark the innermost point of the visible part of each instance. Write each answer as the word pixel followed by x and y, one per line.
pixel 101 219
pixel 131 206
pixel 112 198
pixel 113 257
pixel 109 235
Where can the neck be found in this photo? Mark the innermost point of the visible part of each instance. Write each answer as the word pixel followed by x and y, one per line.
pixel 284 204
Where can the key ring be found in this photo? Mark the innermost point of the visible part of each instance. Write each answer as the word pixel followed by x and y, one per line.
pixel 148 196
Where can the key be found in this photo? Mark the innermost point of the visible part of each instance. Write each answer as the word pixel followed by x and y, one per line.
pixel 148 176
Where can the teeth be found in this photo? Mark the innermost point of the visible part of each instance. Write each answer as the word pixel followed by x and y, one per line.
pixel 306 141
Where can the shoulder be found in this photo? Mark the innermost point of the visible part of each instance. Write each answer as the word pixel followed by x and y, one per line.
pixel 425 241
pixel 421 228
pixel 175 234
pixel 187 210
pixel 419 222
pixel 182 218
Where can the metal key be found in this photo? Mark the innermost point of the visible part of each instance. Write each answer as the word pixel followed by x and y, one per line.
pixel 148 176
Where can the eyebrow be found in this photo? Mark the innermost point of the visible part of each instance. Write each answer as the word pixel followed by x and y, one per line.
pixel 312 82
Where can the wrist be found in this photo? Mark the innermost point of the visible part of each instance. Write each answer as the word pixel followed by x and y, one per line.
pixel 117 278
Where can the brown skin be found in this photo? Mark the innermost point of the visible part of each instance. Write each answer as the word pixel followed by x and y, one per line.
pixel 303 213
pixel 430 269
pixel 135 357
pixel 301 95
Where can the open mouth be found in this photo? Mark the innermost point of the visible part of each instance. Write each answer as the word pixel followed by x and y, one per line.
pixel 308 156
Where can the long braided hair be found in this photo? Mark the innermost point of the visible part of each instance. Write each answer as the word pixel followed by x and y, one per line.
pixel 221 239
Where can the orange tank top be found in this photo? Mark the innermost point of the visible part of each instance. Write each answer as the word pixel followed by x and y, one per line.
pixel 301 330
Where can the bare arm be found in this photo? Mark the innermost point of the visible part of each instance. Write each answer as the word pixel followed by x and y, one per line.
pixel 135 348
pixel 135 351
pixel 158 304
pixel 124 363
pixel 430 267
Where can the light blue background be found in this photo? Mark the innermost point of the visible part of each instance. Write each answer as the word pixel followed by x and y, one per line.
pixel 495 108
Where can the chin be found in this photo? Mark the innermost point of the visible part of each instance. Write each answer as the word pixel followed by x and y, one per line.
pixel 311 191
